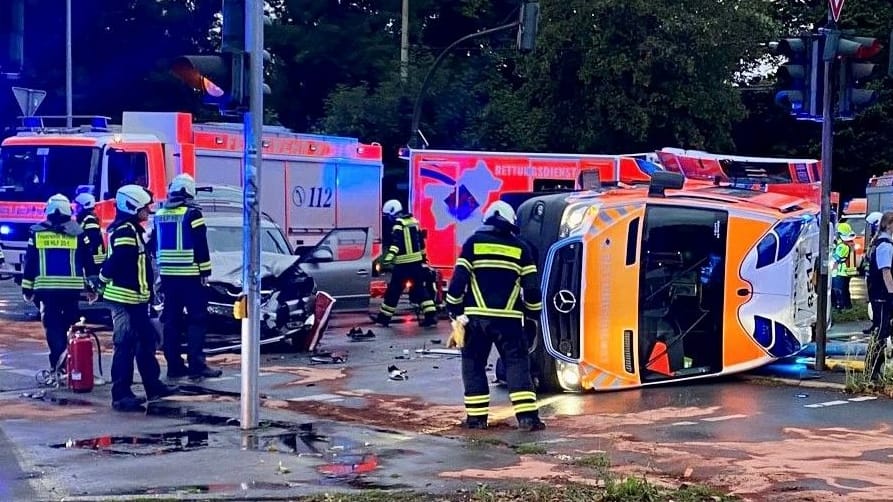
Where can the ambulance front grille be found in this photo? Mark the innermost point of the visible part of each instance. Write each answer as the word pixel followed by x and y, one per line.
pixel 563 299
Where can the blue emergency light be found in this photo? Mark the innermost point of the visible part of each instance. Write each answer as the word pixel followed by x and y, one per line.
pixel 99 123
pixel 5 230
pixel 33 122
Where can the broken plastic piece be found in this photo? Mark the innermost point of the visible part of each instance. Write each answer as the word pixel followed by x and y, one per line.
pixel 395 373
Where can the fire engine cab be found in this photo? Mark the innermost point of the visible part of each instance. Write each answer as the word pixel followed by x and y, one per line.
pixel 310 184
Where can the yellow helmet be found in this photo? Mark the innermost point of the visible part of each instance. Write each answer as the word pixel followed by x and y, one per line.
pixel 845 231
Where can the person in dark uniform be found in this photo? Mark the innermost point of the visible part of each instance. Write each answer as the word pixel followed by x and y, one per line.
pixel 880 293
pixel 184 264
pixel 90 223
pixel 126 279
pixel 406 251
pixel 58 266
pixel 494 287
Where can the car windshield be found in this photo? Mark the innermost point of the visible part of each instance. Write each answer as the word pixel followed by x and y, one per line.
pixel 34 173
pixel 225 239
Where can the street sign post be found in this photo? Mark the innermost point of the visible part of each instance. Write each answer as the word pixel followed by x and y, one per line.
pixel 836 7
pixel 28 99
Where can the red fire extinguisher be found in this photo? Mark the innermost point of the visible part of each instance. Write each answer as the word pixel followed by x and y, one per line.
pixel 80 357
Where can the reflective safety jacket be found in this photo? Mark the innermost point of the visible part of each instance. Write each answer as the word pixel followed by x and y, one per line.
pixel 845 259
pixel 126 271
pixel 57 259
pixel 497 268
pixel 181 241
pixel 406 243
pixel 90 223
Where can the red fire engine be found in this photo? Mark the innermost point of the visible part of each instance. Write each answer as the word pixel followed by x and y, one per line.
pixel 310 184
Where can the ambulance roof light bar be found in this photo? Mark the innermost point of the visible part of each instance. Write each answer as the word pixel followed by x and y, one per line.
pixel 89 123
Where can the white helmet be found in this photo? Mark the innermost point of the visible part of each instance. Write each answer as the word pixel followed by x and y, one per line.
pixel 874 217
pixel 392 207
pixel 59 204
pixel 131 199
pixel 501 209
pixel 183 185
pixel 85 200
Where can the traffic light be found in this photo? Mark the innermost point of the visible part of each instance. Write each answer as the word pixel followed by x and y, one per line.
pixel 12 34
pixel 528 26
pixel 855 71
pixel 217 76
pixel 798 79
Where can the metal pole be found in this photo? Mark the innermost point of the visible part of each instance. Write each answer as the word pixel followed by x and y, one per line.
pixel 253 120
pixel 824 230
pixel 404 43
pixel 68 65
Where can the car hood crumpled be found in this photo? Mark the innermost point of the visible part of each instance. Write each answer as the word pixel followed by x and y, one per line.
pixel 226 267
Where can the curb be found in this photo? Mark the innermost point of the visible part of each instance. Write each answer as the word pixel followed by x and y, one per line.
pixel 812 384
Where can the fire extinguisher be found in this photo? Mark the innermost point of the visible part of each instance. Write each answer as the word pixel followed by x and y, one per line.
pixel 80 357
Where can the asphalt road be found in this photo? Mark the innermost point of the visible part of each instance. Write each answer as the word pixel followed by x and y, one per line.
pixel 347 426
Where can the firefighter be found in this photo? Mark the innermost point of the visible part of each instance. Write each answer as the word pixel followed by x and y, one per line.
pixel 880 293
pixel 90 223
pixel 184 264
pixel 844 266
pixel 406 251
pixel 494 287
pixel 126 279
pixel 58 268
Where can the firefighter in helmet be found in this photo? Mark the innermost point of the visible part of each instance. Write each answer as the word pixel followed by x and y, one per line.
pixel 86 204
pixel 57 269
pixel 406 251
pixel 126 280
pixel 184 264
pixel 844 266
pixel 494 287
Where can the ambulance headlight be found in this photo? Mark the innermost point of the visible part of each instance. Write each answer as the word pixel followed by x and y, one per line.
pixel 568 376
pixel 574 218
pixel 5 229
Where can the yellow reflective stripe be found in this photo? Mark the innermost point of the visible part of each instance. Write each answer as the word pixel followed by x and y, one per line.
pixel 103 278
pixel 513 298
pixel 198 222
pixel 397 228
pixel 58 283
pixel 506 265
pixel 407 242
pixel 525 407
pixel 204 266
pixel 123 295
pixel 98 258
pixel 453 299
pixel 141 275
pixel 27 284
pixel 497 249
pixel 393 249
pixel 477 411
pixel 508 314
pixel 476 292
pixel 42 262
pixel 125 241
pixel 522 394
pixel 90 226
pixel 388 309
pixel 179 271
pixel 529 269
pixel 480 399
pixel 408 258
pixel 462 262
pixel 533 306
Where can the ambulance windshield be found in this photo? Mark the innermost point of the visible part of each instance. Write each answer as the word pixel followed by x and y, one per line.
pixel 30 173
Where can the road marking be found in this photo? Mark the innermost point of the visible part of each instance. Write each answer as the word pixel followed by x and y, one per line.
pixel 720 419
pixel 863 398
pixel 684 423
pixel 317 397
pixel 825 404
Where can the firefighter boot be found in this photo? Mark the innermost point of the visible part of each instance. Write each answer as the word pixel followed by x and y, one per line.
pixel 430 320
pixel 478 422
pixel 530 424
pixel 382 320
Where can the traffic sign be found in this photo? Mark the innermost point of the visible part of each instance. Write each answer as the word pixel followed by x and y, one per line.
pixel 29 99
pixel 836 7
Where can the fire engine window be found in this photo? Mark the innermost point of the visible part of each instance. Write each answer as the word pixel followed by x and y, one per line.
pixel 126 168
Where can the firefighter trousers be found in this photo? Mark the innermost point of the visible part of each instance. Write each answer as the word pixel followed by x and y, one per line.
pixel 58 311
pixel 481 334
pixel 135 338
pixel 416 273
pixel 875 358
pixel 840 289
pixel 184 294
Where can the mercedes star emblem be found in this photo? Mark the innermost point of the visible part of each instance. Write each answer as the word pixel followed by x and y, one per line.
pixel 564 301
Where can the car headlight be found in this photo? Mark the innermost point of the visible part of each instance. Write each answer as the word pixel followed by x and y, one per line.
pixel 574 218
pixel 568 376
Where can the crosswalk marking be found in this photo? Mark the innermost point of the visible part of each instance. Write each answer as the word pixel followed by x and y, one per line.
pixel 826 404
pixel 862 398
pixel 720 419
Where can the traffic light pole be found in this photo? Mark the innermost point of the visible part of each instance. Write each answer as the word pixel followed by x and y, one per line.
pixel 825 220
pixel 253 130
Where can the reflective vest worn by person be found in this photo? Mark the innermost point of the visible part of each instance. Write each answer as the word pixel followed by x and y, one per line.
pixel 90 223
pixel 180 237
pixel 406 243
pixel 844 252
pixel 58 254
pixel 126 272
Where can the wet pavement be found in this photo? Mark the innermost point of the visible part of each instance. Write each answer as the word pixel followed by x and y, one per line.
pixel 347 426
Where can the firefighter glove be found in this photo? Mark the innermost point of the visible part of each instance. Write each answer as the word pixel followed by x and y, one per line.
pixel 457 335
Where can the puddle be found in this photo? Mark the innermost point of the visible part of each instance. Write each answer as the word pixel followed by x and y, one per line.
pixel 149 444
pixel 210 488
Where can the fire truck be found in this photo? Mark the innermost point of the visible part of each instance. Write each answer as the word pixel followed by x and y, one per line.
pixel 310 184
pixel 449 190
